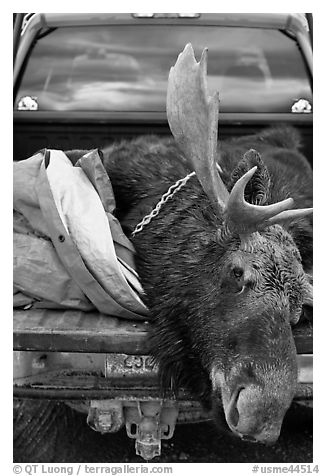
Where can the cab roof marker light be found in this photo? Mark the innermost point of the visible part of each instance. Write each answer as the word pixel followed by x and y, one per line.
pixel 166 15
pixel 189 15
pixel 143 15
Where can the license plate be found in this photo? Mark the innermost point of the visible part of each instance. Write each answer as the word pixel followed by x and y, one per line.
pixel 119 365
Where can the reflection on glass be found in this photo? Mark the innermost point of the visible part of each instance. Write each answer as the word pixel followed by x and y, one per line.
pixel 125 68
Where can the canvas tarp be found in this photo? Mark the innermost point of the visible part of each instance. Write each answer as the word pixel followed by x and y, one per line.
pixel 69 249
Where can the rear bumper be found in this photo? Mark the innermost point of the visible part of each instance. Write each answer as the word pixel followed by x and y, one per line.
pixel 88 376
pixel 117 390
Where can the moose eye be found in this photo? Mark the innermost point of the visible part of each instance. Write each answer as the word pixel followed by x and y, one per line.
pixel 233 281
pixel 237 272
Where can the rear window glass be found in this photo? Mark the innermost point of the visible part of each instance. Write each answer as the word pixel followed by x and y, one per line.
pixel 125 68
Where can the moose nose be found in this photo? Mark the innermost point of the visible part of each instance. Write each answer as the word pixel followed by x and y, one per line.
pixel 232 412
pixel 245 416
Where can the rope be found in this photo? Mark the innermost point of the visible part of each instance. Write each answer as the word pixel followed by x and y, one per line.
pixel 167 196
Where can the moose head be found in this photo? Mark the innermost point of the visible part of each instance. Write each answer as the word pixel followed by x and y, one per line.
pixel 242 281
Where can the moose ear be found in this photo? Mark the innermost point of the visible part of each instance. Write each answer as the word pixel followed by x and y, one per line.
pixel 257 190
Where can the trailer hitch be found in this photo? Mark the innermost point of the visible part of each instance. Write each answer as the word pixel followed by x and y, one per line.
pixel 148 422
pixel 105 416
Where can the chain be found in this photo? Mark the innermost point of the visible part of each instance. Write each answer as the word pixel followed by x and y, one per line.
pixel 167 196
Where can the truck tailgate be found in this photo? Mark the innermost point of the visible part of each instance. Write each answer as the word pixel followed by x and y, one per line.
pixel 77 331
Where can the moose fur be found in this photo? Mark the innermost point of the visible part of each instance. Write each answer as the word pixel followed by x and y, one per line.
pixel 221 306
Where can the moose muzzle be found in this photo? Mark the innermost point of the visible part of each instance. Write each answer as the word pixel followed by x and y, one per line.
pixel 255 402
pixel 253 416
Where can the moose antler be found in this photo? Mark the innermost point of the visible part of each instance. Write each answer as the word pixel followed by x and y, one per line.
pixel 193 119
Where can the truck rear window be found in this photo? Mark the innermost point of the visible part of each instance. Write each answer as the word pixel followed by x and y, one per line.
pixel 125 68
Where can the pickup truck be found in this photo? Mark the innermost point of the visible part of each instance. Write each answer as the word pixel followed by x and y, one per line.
pixel 82 81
